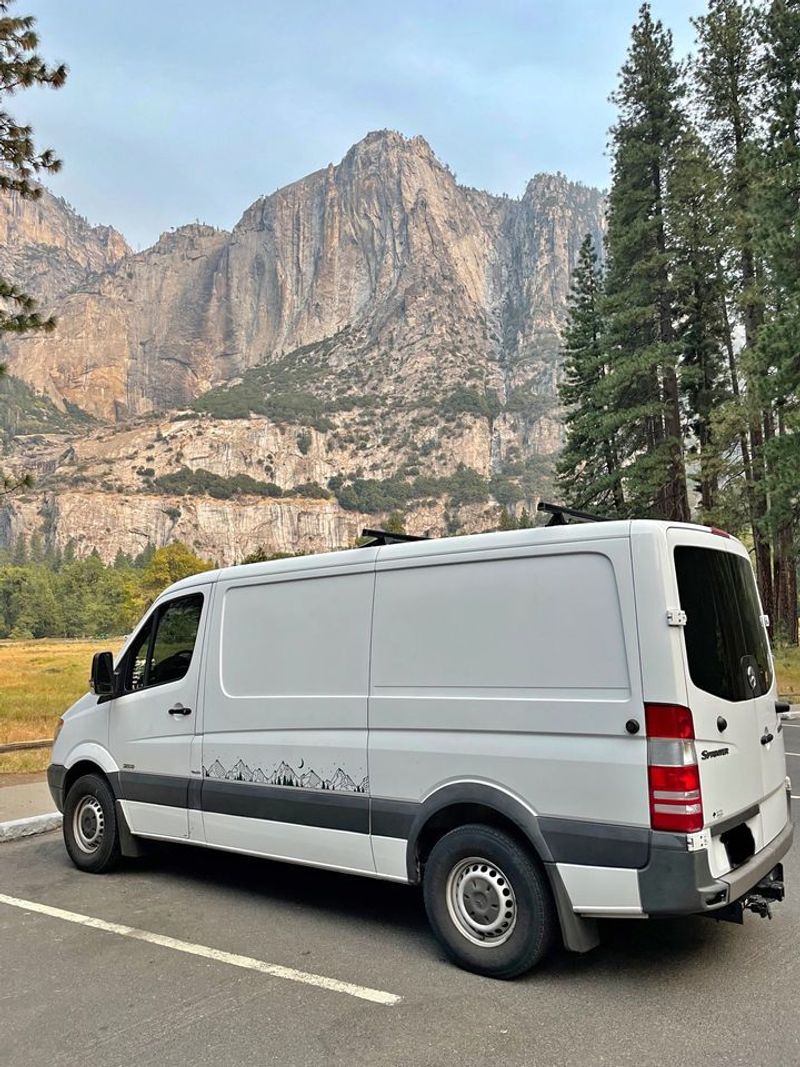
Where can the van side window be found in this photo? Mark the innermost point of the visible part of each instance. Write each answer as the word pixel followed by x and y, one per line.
pixel 163 651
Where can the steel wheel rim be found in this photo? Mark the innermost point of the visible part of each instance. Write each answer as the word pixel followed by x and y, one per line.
pixel 481 902
pixel 88 824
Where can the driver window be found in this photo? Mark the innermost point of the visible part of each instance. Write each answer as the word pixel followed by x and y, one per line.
pixel 167 657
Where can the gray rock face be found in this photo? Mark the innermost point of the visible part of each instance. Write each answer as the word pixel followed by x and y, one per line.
pixel 385 246
pixel 49 250
pixel 396 299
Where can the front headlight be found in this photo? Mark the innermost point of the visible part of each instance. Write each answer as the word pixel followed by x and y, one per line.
pixel 59 727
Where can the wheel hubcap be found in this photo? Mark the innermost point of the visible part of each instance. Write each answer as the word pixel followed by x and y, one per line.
pixel 88 824
pixel 481 902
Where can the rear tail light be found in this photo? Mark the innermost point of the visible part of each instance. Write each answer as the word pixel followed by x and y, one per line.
pixel 672 773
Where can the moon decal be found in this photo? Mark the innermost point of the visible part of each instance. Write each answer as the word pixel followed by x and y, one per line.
pixel 301 764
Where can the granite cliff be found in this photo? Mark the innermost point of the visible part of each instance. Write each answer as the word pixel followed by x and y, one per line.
pixel 373 337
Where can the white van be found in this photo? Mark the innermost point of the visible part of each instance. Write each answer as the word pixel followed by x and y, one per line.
pixel 542 727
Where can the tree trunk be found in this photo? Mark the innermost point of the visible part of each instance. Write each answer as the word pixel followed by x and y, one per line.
pixel 785 586
pixel 612 462
pixel 676 496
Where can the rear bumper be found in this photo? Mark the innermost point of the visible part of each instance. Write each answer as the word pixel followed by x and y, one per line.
pixel 677 882
pixel 55 780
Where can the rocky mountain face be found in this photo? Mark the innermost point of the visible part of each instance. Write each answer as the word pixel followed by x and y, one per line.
pixel 49 250
pixel 373 337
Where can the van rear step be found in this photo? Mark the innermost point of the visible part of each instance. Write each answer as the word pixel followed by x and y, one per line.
pixel 768 891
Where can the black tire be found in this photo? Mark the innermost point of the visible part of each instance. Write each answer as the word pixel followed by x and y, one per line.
pixel 503 885
pixel 90 825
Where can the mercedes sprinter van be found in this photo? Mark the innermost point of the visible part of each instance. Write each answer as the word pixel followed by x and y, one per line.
pixel 544 728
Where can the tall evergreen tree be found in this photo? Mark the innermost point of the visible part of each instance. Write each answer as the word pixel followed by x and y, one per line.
pixel 640 295
pixel 696 240
pixel 21 67
pixel 726 80
pixel 779 340
pixel 589 467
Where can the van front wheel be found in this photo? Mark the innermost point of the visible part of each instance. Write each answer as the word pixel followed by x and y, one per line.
pixel 90 825
pixel 488 902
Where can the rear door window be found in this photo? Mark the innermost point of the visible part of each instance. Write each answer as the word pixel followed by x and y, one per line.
pixel 726 644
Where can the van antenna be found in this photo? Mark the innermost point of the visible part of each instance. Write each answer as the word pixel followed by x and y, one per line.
pixel 559 514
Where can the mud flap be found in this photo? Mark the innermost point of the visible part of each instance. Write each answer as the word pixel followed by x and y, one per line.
pixel 130 846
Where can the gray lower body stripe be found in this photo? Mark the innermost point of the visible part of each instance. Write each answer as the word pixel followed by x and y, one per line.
pixel 569 840
pixel 596 844
pixel 305 807
pixel 393 818
pixel 171 790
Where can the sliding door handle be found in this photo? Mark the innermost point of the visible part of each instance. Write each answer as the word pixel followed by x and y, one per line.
pixel 179 709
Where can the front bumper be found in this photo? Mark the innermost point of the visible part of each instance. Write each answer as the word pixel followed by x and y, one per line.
pixel 677 882
pixel 55 780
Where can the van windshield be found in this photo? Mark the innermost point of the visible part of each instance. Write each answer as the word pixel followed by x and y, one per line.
pixel 726 643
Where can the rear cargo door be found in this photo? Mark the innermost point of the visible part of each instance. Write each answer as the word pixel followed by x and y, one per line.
pixel 730 682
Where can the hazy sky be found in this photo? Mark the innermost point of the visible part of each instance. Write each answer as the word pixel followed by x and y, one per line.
pixel 185 109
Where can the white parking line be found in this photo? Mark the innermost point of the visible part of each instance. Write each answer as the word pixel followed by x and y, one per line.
pixel 275 970
pixel 791 753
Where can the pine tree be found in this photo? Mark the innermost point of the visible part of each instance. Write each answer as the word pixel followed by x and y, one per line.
pixel 779 338
pixel 640 335
pixel 394 523
pixel 507 520
pixel 693 214
pixel 726 82
pixel 21 68
pixel 589 467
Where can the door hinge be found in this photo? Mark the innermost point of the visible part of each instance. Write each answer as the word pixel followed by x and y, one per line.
pixel 676 617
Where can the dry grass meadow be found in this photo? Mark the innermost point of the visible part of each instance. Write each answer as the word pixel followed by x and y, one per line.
pixel 40 679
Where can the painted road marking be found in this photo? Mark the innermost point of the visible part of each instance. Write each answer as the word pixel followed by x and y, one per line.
pixel 275 970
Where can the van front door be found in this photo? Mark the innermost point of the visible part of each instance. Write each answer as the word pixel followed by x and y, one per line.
pixel 152 721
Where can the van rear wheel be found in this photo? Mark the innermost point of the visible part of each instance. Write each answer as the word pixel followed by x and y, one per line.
pixel 488 902
pixel 90 825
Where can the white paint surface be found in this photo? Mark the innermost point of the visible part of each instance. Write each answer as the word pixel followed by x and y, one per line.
pixel 602 890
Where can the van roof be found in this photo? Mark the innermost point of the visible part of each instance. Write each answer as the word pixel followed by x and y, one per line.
pixel 437 546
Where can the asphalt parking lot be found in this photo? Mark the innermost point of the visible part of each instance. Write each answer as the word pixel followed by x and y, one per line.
pixel 673 992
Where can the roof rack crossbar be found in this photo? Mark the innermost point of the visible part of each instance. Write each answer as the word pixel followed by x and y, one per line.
pixel 386 537
pixel 559 514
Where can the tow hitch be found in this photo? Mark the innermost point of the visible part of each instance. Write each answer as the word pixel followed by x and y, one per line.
pixel 768 891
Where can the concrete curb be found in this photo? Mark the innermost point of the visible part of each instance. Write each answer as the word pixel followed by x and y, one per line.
pixel 34 824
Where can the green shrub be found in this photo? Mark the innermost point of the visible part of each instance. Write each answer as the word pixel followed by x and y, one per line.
pixel 310 489
pixel 464 486
pixel 466 401
pixel 186 481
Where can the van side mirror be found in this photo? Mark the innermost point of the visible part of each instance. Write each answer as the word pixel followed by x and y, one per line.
pixel 102 679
